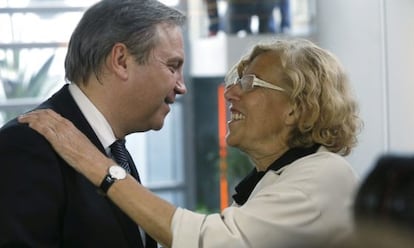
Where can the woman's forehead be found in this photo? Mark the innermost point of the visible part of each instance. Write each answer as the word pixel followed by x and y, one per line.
pixel 267 62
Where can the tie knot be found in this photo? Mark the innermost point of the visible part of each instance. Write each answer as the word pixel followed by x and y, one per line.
pixel 118 144
pixel 120 154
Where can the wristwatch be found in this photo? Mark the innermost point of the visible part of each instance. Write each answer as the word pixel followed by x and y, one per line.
pixel 115 172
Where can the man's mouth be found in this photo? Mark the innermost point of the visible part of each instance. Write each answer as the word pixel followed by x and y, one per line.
pixel 169 100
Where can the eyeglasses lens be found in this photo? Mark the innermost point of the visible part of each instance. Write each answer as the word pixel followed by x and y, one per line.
pixel 246 82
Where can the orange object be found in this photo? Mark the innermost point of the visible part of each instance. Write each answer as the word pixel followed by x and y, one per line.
pixel 222 129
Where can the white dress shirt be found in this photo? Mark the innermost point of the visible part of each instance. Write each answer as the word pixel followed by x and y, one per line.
pixel 306 202
pixel 94 117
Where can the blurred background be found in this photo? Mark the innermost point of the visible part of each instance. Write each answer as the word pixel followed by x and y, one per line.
pixel 187 162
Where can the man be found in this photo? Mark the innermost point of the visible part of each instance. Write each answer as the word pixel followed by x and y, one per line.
pixel 240 13
pixel 125 67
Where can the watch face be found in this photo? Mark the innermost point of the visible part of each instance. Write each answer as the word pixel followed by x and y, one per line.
pixel 117 172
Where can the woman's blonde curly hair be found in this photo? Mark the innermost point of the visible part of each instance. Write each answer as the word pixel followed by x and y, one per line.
pixel 319 91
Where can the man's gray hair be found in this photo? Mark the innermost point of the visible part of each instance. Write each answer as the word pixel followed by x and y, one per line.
pixel 131 22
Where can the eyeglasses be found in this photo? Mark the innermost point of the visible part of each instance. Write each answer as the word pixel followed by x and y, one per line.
pixel 249 81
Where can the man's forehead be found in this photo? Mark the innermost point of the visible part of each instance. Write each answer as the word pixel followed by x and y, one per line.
pixel 170 40
pixel 166 54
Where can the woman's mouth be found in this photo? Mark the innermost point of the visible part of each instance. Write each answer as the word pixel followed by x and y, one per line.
pixel 236 116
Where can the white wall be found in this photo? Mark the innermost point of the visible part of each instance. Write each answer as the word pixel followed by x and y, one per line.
pixel 375 41
pixel 400 44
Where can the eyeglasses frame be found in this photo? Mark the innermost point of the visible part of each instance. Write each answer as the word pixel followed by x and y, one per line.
pixel 256 82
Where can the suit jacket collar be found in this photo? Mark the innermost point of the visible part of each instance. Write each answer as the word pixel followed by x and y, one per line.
pixel 63 103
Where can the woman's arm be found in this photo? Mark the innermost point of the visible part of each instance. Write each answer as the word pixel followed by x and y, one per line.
pixel 150 212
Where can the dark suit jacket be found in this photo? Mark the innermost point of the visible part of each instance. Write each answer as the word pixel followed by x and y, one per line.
pixel 44 202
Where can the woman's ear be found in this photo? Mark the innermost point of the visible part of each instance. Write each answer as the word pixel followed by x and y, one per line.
pixel 291 116
pixel 117 61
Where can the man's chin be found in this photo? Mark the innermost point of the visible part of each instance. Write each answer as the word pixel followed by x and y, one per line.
pixel 158 126
pixel 153 127
pixel 157 122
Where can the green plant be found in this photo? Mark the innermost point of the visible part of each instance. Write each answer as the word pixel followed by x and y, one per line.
pixel 20 81
pixel 239 165
pixel 19 78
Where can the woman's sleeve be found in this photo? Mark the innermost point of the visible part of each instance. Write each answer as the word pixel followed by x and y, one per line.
pixel 258 224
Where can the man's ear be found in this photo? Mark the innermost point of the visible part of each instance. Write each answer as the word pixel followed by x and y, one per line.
pixel 117 60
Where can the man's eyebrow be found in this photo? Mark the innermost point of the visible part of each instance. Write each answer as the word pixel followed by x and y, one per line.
pixel 169 60
pixel 176 60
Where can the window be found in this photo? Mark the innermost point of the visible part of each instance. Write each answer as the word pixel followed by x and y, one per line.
pixel 33 44
pixel 32 49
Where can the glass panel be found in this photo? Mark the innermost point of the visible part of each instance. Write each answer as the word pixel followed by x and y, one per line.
pixel 168 166
pixel 10 110
pixel 33 40
pixel 45 3
pixel 159 154
pixel 175 197
pixel 28 73
pixel 43 27
pixel 5 29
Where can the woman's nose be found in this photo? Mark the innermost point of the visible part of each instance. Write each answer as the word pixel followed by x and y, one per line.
pixel 232 92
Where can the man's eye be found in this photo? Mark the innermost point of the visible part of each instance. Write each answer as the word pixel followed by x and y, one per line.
pixel 174 67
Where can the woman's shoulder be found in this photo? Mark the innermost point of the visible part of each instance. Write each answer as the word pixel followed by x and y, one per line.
pixel 320 169
pixel 323 160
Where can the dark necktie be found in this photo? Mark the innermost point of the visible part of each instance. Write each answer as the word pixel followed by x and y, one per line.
pixel 120 154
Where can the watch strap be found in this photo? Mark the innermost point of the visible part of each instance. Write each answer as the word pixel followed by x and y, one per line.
pixel 106 183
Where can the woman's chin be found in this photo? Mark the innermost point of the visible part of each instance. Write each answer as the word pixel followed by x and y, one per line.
pixel 231 141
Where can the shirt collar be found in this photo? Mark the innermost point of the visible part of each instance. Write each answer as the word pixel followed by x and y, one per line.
pixel 94 117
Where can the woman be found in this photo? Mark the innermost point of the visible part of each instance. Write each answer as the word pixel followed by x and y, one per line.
pixel 293 113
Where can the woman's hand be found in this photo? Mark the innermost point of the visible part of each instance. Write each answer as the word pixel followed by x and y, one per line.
pixel 71 144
